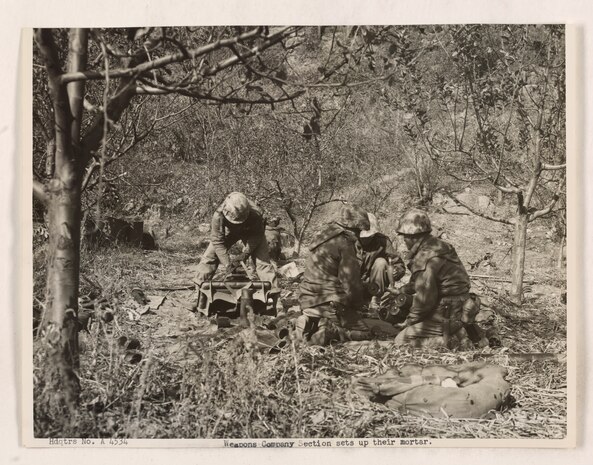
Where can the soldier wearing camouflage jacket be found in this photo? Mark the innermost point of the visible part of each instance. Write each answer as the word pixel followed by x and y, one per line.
pixel 331 290
pixel 439 284
pixel 332 270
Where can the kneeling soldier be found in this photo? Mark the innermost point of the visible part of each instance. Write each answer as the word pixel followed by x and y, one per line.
pixel 331 289
pixel 237 219
pixel 442 306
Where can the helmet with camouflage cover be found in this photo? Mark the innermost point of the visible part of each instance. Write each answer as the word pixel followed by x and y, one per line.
pixel 235 207
pixel 414 221
pixel 353 217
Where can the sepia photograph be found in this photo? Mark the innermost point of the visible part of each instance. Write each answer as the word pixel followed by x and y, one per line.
pixel 299 236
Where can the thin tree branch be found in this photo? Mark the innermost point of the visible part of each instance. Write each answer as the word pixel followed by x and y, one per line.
pixel 124 94
pixel 77 60
pixel 88 175
pixel 548 208
pixel 504 139
pixel 179 57
pixel 546 166
pixel 475 212
pixel 150 88
pixel 59 97
pixel 325 202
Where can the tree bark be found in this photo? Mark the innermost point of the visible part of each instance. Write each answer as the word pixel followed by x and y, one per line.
pixel 518 259
pixel 297 246
pixel 72 154
pixel 295 231
pixel 61 330
pixel 561 253
pixel 64 216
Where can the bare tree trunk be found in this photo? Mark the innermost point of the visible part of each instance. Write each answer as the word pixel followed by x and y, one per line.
pixel 518 259
pixel 64 216
pixel 297 246
pixel 418 176
pixel 305 225
pixel 561 252
pixel 295 233
pixel 72 154
pixel 61 332
pixel 299 241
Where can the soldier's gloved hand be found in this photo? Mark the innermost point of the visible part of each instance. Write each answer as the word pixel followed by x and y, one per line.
pixel 398 274
pixel 408 289
pixel 371 287
pixel 231 268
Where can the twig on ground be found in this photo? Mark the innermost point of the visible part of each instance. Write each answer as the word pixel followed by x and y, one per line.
pixel 499 278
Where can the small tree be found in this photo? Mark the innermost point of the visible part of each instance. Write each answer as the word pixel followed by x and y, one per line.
pixel 289 162
pixel 79 64
pixel 499 117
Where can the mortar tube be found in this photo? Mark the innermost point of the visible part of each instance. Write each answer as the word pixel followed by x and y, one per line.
pixel 246 307
pixel 283 333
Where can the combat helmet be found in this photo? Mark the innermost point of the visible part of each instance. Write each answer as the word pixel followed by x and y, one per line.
pixel 235 207
pixel 414 221
pixel 353 217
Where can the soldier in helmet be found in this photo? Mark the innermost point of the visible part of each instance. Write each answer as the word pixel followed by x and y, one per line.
pixel 331 289
pixel 237 219
pixel 442 304
pixel 381 265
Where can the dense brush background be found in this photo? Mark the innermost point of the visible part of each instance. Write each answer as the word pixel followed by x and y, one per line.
pixel 172 160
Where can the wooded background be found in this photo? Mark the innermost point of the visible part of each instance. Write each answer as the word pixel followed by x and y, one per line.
pixel 295 117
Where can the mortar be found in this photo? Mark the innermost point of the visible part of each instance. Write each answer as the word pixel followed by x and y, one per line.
pixel 223 298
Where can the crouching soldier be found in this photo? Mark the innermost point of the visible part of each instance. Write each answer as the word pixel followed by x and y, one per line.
pixel 237 219
pixel 442 306
pixel 331 289
pixel 381 265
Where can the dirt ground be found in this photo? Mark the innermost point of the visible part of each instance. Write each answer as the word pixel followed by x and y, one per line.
pixel 184 377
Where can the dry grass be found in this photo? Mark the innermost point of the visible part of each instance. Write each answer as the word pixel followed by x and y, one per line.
pixel 233 391
pixel 191 383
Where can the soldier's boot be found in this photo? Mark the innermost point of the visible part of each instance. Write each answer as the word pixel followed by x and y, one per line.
pixel 300 326
pixel 355 335
pixel 354 329
pixel 461 340
pixel 493 338
pixel 325 333
pixel 352 321
pixel 202 302
pixel 476 335
pixel 316 331
pixel 304 327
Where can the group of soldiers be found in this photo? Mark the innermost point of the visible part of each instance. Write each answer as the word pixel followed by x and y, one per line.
pixel 351 272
